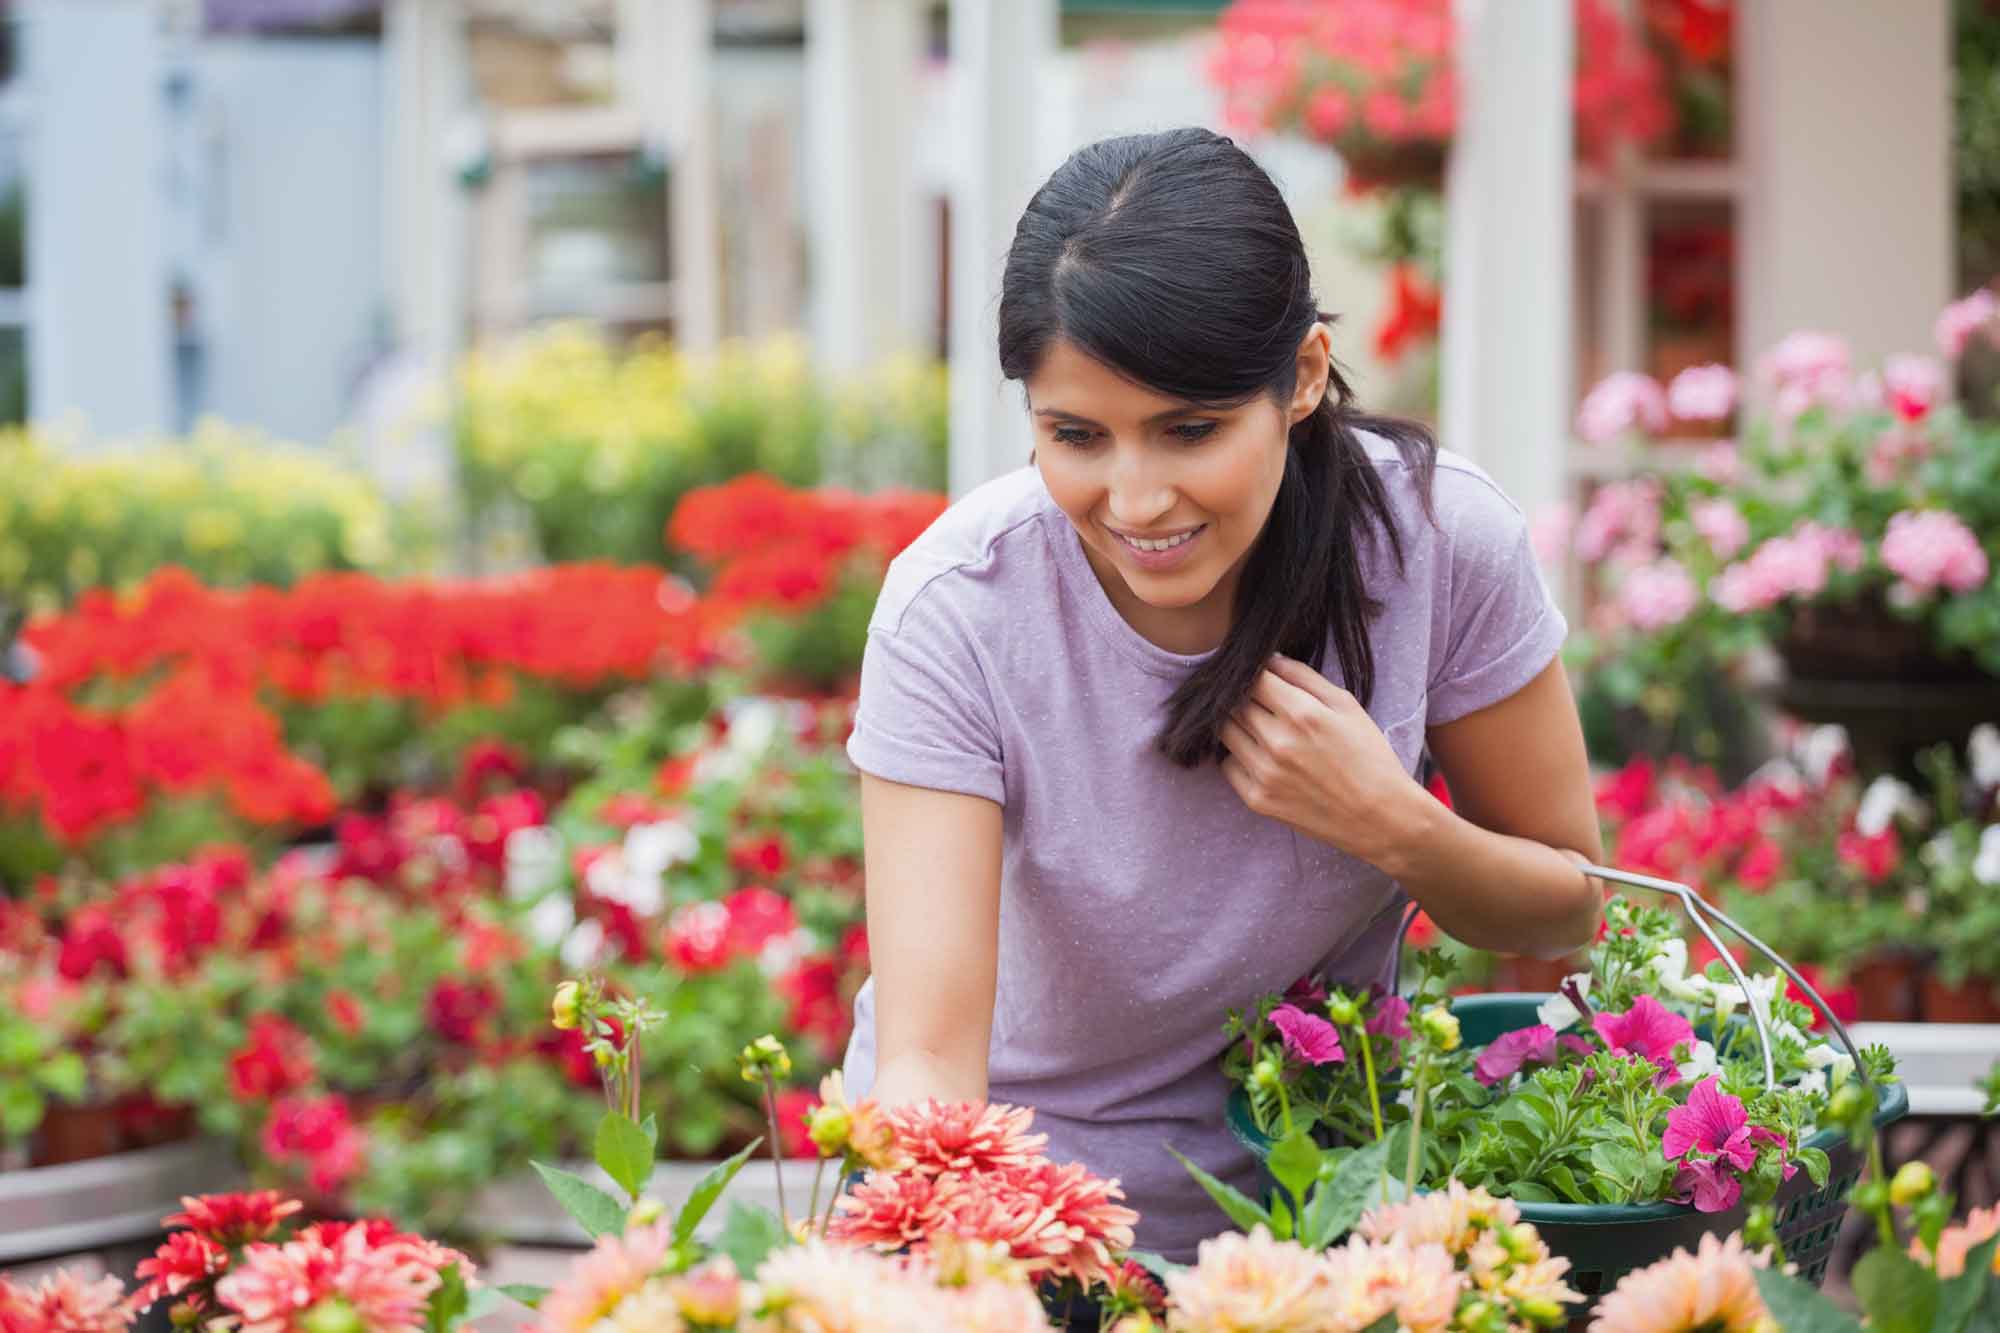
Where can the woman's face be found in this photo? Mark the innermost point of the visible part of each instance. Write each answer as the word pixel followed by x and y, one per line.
pixel 1168 497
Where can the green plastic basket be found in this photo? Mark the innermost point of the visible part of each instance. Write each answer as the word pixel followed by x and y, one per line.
pixel 1603 1242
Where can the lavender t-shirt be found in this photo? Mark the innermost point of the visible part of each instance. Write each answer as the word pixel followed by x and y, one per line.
pixel 1140 900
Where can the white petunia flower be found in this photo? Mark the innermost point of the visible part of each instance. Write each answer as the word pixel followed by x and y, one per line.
pixel 1986 864
pixel 1886 798
pixel 1984 752
pixel 534 860
pixel 1825 1058
pixel 1701 1062
pixel 1822 749
pixel 1669 969
pixel 1729 995
pixel 1814 1083
pixel 1557 1011
pixel 550 920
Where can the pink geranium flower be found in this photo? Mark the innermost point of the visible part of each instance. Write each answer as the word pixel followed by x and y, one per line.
pixel 1961 319
pixel 1702 393
pixel 1658 596
pixel 1307 1036
pixel 1648 1029
pixel 1930 549
pixel 1622 401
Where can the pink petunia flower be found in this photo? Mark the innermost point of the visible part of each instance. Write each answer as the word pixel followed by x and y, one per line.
pixel 1702 393
pixel 1307 1036
pixel 1710 1186
pixel 1957 322
pixel 1648 1029
pixel 1712 1123
pixel 1505 1054
pixel 1391 1018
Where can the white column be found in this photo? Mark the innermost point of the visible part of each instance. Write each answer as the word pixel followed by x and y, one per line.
pixel 1845 131
pixel 862 59
pixel 427 124
pixel 1509 248
pixel 686 81
pixel 998 55
pixel 98 328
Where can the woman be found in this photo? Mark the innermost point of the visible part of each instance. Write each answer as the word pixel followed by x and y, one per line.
pixel 1138 723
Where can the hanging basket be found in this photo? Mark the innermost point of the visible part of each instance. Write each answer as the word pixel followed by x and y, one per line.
pixel 1604 1242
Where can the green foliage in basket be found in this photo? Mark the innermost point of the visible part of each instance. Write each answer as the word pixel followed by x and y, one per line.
pixel 229 505
pixel 593 446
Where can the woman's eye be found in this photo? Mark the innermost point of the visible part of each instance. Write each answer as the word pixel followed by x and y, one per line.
pixel 1074 435
pixel 1194 430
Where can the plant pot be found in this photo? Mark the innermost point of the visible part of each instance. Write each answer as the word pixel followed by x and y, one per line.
pixel 1974 1000
pixel 77 1134
pixel 1883 680
pixel 1371 165
pixel 1886 982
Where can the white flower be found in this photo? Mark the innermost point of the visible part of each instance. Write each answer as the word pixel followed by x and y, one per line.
pixel 550 921
pixel 1813 1083
pixel 653 849
pixel 1557 1011
pixel 534 860
pixel 782 953
pixel 753 725
pixel 1986 864
pixel 1669 969
pixel 1885 798
pixel 1763 989
pixel 614 878
pixel 1984 751
pixel 1825 1059
pixel 580 950
pixel 1823 748
pixel 1700 1063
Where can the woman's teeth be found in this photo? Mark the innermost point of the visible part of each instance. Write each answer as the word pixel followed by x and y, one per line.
pixel 1167 545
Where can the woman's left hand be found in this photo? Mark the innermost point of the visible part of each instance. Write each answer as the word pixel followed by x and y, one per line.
pixel 1303 750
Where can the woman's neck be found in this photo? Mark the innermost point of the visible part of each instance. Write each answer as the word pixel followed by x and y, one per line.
pixel 1187 630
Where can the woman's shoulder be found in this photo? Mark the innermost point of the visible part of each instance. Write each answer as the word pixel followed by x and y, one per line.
pixel 988 541
pixel 1465 510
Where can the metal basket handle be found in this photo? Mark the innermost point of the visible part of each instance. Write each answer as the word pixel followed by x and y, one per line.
pixel 1700 912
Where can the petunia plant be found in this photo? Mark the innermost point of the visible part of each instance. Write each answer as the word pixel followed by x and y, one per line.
pixel 1640 1082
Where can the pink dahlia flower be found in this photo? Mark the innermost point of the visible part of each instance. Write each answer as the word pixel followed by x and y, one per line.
pixel 966 1136
pixel 1713 1289
pixel 65 1303
pixel 1959 1241
pixel 275 1288
pixel 615 1268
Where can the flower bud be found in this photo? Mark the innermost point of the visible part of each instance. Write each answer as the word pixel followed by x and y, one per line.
pixel 1871 1196
pixel 566 1011
pixel 1913 1181
pixel 1522 1243
pixel 828 1126
pixel 1264 1075
pixel 1541 1310
pixel 1760 1231
pixel 644 1213
pixel 766 1054
pixel 605 1056
pixel 1343 1011
pixel 332 1315
pixel 1847 1105
pixel 1440 1025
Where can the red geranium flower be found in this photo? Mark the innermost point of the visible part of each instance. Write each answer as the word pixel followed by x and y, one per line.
pixel 275 1059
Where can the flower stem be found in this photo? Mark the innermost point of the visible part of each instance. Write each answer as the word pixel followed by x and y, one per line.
pixel 1885 1224
pixel 1368 1066
pixel 812 1209
pixel 1285 1105
pixel 1416 1127
pixel 777 1145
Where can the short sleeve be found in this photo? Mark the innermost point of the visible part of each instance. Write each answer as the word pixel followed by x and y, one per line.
pixel 1501 627
pixel 925 716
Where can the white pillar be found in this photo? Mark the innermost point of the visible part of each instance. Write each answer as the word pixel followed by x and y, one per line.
pixel 998 55
pixel 862 59
pixel 1509 248
pixel 98 326
pixel 686 84
pixel 1845 130
pixel 427 120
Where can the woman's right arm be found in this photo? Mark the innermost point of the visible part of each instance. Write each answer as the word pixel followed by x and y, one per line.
pixel 933 876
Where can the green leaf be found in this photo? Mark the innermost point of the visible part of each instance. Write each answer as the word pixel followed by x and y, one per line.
pixel 1815 1162
pixel 1899 1294
pixel 595 1211
pixel 64 1076
pixel 1388 1323
pixel 1338 1203
pixel 1563 1179
pixel 1799 1307
pixel 1281 1218
pixel 625 1152
pixel 651 1126
pixel 480 1302
pixel 447 1303
pixel 703 1196
pixel 20 1108
pixel 1242 1210
pixel 1961 1297
pixel 1156 1264
pixel 1295 1163
pixel 750 1234
pixel 527 1293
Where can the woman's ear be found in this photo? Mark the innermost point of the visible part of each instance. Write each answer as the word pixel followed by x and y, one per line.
pixel 1314 367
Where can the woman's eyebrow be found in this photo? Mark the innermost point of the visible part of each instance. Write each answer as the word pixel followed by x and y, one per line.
pixel 1186 410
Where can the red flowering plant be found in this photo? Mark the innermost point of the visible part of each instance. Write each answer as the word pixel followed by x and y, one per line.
pixel 797 570
pixel 177 714
pixel 1634 1086
pixel 238 1262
